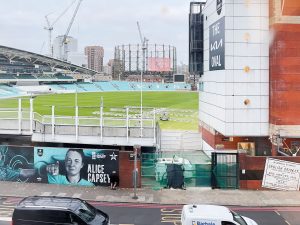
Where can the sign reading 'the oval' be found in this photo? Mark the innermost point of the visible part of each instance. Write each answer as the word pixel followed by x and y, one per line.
pixel 217 45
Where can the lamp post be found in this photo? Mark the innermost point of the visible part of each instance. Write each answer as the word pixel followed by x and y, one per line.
pixel 144 48
pixel 135 171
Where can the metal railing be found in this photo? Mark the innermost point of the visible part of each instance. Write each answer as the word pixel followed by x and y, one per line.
pixel 128 118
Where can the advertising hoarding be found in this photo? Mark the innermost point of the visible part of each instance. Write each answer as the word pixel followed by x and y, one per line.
pixel 159 64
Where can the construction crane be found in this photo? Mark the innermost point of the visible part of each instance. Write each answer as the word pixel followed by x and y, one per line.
pixel 49 27
pixel 144 40
pixel 64 42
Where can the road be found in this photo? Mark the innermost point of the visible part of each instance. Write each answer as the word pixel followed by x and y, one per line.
pixel 153 214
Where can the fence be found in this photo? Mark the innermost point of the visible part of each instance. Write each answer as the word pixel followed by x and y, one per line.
pixel 156 173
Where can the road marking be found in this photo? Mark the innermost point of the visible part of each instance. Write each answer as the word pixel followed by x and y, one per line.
pixel 76 195
pixel 6 211
pixel 46 194
pixel 287 222
pixel 61 194
pixel 5 218
pixel 277 213
pixel 170 216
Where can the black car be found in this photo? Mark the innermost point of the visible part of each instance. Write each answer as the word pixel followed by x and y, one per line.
pixel 53 210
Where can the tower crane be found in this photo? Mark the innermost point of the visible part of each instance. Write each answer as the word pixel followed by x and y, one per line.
pixel 64 42
pixel 144 40
pixel 49 27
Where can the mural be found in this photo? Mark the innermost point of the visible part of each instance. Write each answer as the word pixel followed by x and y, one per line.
pixel 66 166
pixel 89 167
pixel 16 164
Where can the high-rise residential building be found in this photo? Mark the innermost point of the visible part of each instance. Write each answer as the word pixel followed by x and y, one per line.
pixel 95 56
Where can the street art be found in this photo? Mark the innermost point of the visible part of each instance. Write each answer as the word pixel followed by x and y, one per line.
pixel 66 166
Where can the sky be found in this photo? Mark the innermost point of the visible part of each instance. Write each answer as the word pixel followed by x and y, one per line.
pixel 107 23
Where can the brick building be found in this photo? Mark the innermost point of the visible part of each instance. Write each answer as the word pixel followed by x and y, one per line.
pixel 95 56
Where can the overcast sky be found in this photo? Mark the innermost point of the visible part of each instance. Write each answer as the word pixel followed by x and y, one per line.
pixel 99 22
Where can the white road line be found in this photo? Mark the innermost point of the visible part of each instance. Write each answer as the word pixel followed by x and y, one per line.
pixel 61 194
pixel 76 195
pixel 6 212
pixel 46 194
pixel 5 218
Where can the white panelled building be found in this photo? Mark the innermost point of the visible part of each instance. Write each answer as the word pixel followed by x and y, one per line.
pixel 234 88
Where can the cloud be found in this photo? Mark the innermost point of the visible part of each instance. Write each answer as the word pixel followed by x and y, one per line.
pixel 104 22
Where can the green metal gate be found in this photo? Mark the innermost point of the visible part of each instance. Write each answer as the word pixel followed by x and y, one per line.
pixel 225 170
pixel 196 168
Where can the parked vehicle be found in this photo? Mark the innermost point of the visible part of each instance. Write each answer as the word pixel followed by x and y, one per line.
pixel 212 215
pixel 51 210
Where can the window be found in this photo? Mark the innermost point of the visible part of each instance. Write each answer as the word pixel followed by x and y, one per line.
pixel 86 212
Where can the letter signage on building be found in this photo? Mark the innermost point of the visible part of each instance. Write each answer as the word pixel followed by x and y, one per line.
pixel 281 175
pixel 217 45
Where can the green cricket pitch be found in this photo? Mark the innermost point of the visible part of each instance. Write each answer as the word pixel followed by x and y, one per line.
pixel 181 107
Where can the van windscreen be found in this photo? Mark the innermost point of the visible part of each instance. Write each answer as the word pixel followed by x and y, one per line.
pixel 238 218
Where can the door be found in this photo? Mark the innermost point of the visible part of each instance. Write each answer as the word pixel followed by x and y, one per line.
pixel 224 173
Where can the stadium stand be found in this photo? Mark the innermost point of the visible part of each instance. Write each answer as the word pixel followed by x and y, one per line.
pixel 5 76
pixel 8 91
pixel 120 86
pixel 62 76
pixel 90 87
pixel 24 76
pixel 106 86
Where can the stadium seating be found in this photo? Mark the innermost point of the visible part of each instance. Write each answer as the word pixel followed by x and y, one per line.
pixel 106 86
pixel 14 91
pixel 24 76
pixel 8 91
pixel 90 87
pixel 122 85
pixel 62 76
pixel 7 76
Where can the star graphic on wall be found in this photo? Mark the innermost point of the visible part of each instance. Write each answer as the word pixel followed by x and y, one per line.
pixel 113 156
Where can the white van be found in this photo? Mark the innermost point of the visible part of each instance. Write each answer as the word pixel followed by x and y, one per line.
pixel 212 215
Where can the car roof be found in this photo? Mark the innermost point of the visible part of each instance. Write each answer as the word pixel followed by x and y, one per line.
pixel 214 212
pixel 50 202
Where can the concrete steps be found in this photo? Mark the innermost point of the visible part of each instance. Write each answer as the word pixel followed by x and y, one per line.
pixel 180 141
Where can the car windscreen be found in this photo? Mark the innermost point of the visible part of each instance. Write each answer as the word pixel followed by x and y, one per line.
pixel 86 212
pixel 238 218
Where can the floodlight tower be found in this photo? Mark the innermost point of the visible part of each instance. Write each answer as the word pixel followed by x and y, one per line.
pixel 144 42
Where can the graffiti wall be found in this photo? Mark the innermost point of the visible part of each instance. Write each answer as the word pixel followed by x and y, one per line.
pixel 89 167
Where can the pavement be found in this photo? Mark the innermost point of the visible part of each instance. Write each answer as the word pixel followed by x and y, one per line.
pixel 265 198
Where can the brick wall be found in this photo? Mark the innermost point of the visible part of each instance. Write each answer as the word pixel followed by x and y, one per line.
pixel 284 75
pixel 262 144
pixel 126 167
pixel 254 169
